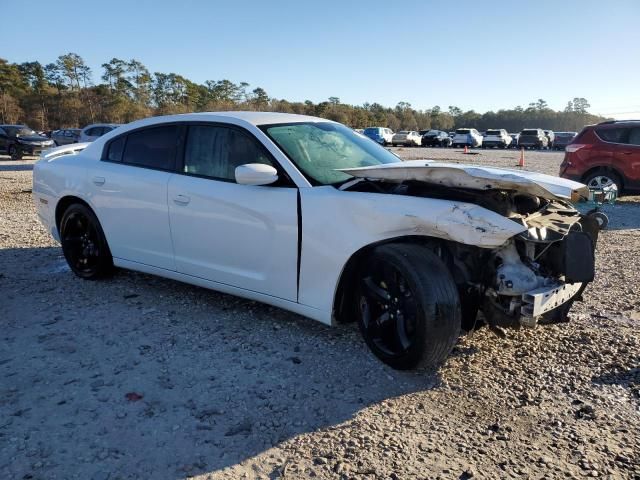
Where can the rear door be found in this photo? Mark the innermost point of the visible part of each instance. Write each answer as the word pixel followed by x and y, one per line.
pixel 129 192
pixel 240 235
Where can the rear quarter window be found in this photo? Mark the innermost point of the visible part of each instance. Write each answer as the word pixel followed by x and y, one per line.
pixel 613 135
pixel 115 149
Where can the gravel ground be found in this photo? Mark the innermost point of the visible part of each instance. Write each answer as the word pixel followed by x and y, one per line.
pixel 142 377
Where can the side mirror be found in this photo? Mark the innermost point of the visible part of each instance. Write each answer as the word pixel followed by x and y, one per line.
pixel 256 174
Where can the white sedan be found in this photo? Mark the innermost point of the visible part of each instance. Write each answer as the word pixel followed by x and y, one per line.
pixel 305 214
pixel 408 138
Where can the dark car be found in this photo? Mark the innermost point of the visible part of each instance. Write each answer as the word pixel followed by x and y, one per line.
pixel 20 140
pixel 66 136
pixel 605 154
pixel 436 138
pixel 563 139
pixel 532 138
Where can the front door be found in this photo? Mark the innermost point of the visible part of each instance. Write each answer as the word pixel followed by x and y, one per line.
pixel 240 235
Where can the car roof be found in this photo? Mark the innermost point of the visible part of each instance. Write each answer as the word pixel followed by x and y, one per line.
pixel 259 118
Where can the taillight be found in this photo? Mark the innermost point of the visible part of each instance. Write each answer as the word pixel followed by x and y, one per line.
pixel 574 147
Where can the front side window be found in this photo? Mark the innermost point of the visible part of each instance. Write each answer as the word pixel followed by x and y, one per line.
pixel 152 147
pixel 215 152
pixel 19 131
pixel 320 149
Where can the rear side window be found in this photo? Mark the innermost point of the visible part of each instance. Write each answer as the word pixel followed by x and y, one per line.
pixel 152 148
pixel 613 135
pixel 114 153
pixel 634 136
pixel 215 152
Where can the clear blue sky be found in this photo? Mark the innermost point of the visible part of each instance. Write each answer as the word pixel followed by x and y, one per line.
pixel 475 55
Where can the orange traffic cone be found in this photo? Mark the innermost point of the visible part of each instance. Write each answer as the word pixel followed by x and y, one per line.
pixel 521 161
pixel 466 149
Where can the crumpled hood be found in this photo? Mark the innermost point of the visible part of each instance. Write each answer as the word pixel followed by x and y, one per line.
pixel 474 177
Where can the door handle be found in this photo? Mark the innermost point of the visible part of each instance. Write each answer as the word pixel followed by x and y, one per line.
pixel 181 199
pixel 99 181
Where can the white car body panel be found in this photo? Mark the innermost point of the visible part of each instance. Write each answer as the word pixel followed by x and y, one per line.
pixel 240 235
pixel 360 219
pixel 243 239
pixel 473 176
pixel 131 204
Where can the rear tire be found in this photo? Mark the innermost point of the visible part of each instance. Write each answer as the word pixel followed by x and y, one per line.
pixel 84 244
pixel 602 178
pixel 408 305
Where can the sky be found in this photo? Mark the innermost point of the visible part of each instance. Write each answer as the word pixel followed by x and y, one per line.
pixel 474 55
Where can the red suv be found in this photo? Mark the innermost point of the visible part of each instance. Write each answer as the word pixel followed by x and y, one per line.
pixel 605 154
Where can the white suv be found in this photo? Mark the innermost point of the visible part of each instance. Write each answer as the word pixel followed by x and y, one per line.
pixel 496 138
pixel 469 137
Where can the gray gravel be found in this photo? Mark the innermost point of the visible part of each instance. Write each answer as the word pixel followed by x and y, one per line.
pixel 142 377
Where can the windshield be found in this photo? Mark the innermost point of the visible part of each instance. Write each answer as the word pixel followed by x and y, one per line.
pixel 493 132
pixel 318 149
pixel 19 131
pixel 433 133
pixel 372 131
pixel 529 132
pixel 463 131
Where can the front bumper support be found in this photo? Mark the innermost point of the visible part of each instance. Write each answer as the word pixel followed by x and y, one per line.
pixel 541 300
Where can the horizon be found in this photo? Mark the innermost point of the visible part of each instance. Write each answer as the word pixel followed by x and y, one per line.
pixel 335 56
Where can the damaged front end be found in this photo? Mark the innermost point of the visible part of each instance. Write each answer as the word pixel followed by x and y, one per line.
pixel 534 275
pixel 538 274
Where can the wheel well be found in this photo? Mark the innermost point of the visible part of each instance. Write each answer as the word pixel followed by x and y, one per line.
pixel 64 203
pixel 604 168
pixel 343 304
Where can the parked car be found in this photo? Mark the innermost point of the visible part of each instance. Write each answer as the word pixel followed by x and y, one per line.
pixel 469 137
pixel 408 138
pixel 532 138
pixel 66 136
pixel 240 202
pixel 563 139
pixel 20 140
pixel 496 138
pixel 551 136
pixel 605 154
pixel 514 140
pixel 436 138
pixel 91 132
pixel 381 135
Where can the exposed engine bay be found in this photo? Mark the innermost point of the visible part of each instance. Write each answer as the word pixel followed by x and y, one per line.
pixel 536 275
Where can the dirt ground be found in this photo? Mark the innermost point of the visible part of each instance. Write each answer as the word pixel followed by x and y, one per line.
pixel 142 377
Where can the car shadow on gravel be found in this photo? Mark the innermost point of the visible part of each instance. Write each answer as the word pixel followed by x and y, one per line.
pixel 139 376
pixel 15 166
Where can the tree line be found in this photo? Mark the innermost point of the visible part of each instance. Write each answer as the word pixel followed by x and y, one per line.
pixel 62 94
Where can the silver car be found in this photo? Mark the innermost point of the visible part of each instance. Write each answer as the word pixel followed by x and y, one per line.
pixel 66 136
pixel 91 132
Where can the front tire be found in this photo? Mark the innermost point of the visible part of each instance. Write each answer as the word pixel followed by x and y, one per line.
pixel 409 307
pixel 84 244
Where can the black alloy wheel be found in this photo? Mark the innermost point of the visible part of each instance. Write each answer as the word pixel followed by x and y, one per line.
pixel 83 243
pixel 409 308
